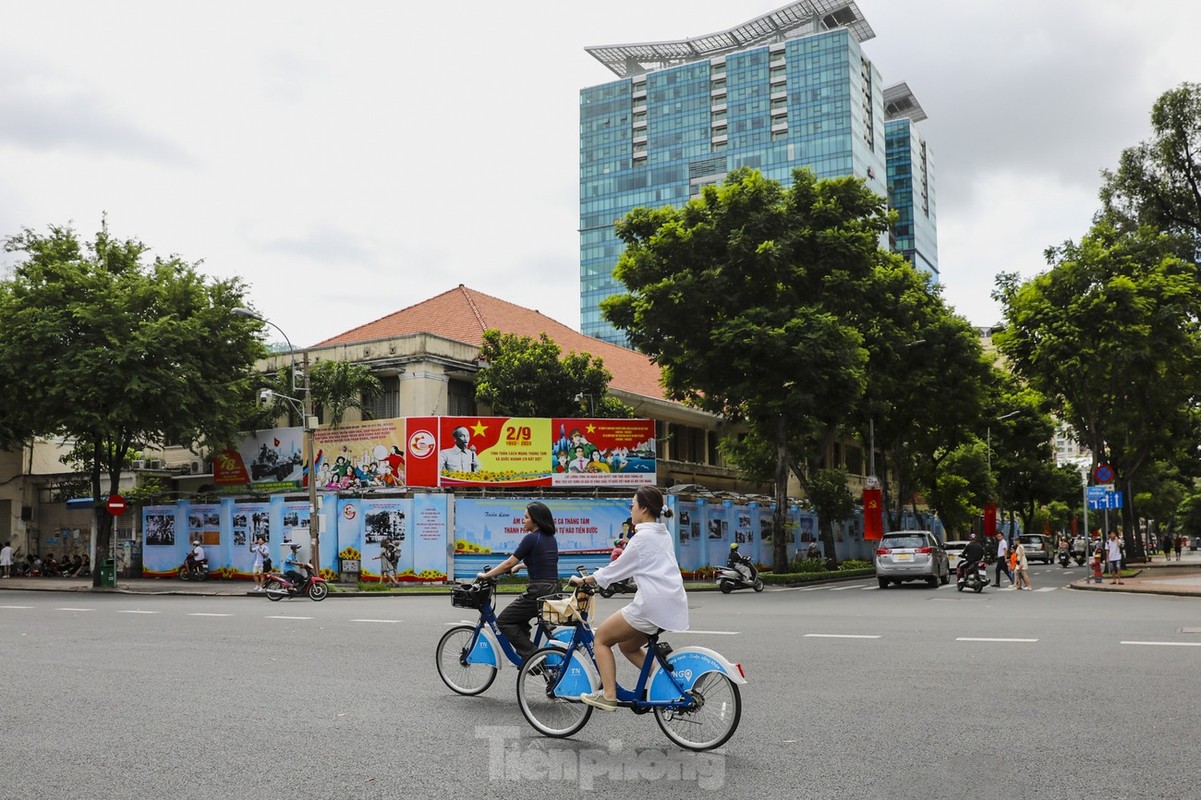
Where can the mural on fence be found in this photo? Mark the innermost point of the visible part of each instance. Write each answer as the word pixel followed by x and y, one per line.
pixel 416 526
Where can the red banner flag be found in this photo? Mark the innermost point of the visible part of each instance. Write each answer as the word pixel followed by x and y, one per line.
pixel 990 520
pixel 873 514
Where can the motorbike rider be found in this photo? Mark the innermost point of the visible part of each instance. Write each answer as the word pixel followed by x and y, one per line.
pixel 737 560
pixel 292 575
pixel 196 554
pixel 972 555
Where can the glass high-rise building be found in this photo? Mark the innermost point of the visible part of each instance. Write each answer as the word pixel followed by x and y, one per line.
pixel 789 89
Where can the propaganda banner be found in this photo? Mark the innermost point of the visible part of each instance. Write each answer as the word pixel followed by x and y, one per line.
pixel 529 451
pixel 873 514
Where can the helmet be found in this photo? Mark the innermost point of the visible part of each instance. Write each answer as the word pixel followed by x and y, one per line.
pixel 733 545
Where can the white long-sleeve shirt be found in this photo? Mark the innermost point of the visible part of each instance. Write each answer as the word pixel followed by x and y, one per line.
pixel 650 559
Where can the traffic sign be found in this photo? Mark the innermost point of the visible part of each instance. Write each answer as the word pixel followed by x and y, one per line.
pixel 1095 492
pixel 1107 500
pixel 1103 473
pixel 115 505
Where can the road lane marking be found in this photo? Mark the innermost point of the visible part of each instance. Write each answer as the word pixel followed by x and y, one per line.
pixel 389 621
pixel 16 606
pixel 74 609
pixel 279 616
pixel 1166 644
pixel 1182 630
pixel 1047 589
pixel 844 588
pixel 127 611
pixel 840 636
pixel 985 639
pixel 203 614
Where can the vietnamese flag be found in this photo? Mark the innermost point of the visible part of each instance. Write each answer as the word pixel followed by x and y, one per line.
pixel 990 520
pixel 873 514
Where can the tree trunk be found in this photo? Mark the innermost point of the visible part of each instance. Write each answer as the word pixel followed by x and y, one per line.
pixel 779 546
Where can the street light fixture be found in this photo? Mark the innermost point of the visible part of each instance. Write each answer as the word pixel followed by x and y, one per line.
pixel 989 429
pixel 310 425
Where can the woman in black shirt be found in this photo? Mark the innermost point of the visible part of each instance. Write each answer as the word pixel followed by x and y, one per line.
pixel 539 550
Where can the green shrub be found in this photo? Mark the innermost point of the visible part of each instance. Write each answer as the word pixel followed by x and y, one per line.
pixel 803 565
pixel 854 563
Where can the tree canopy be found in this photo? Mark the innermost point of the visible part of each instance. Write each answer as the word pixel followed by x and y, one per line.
pixel 752 299
pixel 1158 182
pixel 1110 335
pixel 113 353
pixel 526 377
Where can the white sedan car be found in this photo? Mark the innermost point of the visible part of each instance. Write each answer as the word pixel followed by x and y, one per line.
pixel 954 553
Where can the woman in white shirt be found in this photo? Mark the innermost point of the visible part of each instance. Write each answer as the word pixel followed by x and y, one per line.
pixel 660 603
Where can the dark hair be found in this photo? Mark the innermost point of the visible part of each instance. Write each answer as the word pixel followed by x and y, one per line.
pixel 542 517
pixel 651 500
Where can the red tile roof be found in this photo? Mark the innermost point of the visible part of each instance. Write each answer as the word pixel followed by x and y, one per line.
pixel 463 314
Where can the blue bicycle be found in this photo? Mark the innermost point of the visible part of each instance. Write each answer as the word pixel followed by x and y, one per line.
pixel 693 691
pixel 469 656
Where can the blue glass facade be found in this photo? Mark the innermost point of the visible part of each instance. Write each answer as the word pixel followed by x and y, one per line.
pixel 911 195
pixel 657 138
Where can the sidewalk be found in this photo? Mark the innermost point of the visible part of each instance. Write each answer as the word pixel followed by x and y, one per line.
pixel 1180 578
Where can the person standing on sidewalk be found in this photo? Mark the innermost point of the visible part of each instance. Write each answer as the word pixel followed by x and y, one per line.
pixel 1113 550
pixel 1166 546
pixel 1179 545
pixel 262 562
pixel 1002 559
pixel 6 560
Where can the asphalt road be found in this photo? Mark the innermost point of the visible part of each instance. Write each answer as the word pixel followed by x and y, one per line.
pixel 853 692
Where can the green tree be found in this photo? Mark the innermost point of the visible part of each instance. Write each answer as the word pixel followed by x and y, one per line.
pixel 1110 336
pixel 960 487
pixel 1158 182
pixel 114 354
pixel 341 385
pixel 832 501
pixel 749 298
pixel 527 377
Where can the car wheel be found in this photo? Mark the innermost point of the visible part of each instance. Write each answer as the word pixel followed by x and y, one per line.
pixel 932 581
pixel 883 582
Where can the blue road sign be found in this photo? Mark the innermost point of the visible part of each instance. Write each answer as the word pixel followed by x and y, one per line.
pixel 1107 500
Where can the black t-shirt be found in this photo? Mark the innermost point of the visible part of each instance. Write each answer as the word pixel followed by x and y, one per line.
pixel 974 551
pixel 540 552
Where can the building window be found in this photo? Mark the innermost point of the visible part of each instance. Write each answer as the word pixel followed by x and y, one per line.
pixel 386 404
pixel 460 398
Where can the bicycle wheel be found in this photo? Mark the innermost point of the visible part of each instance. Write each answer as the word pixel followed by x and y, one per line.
pixel 319 591
pixel 710 722
pixel 466 679
pixel 549 714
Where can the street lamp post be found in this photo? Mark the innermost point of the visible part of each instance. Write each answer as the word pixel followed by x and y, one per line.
pixel 310 424
pixel 988 453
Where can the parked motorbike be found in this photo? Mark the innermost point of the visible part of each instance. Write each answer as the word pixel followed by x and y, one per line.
pixel 972 576
pixel 626 586
pixel 738 573
pixel 193 570
pixel 295 584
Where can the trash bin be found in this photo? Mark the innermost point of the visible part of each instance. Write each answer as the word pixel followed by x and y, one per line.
pixel 108 573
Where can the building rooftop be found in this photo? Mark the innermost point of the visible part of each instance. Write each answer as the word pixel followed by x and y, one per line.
pixel 804 16
pixel 900 102
pixel 463 314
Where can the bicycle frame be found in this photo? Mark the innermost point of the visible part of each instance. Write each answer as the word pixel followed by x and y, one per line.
pixel 487 640
pixel 669 677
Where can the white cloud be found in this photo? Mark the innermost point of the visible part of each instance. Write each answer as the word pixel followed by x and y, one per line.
pixel 351 160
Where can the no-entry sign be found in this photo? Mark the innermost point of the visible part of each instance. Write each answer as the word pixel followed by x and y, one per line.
pixel 115 505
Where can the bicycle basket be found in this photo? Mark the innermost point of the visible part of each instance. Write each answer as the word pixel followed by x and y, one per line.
pixel 470 595
pixel 565 609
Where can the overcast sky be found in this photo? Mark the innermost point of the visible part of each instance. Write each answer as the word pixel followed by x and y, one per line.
pixel 349 160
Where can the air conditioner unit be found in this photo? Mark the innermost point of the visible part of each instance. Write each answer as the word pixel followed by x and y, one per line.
pixel 154 463
pixel 196 465
pixel 139 463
